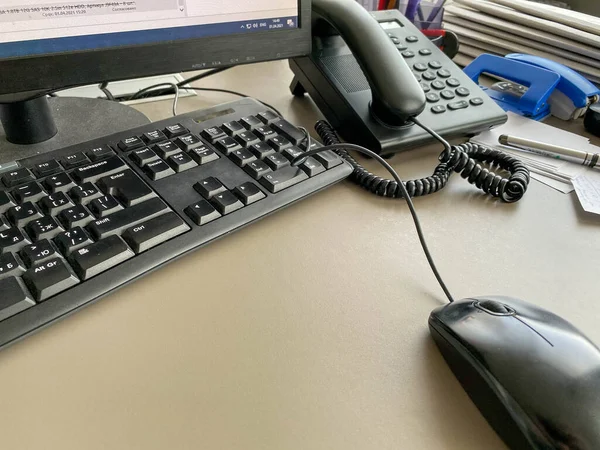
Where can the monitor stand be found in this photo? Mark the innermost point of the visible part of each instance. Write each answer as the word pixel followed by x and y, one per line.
pixel 58 122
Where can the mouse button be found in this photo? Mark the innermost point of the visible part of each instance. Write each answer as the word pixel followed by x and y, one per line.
pixel 494 308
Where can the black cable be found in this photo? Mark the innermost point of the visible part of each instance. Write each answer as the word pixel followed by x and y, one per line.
pixel 104 88
pixel 203 75
pixel 337 147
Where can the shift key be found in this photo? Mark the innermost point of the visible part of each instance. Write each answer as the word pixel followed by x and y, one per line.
pixel 102 255
pixel 128 217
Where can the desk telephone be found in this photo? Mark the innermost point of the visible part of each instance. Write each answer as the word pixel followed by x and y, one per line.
pixel 369 73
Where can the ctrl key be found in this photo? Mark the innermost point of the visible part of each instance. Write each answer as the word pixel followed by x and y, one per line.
pixel 15 297
pixel 49 278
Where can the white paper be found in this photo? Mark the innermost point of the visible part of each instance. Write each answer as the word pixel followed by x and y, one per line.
pixel 587 187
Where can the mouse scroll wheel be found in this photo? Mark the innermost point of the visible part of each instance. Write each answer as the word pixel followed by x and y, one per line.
pixel 494 307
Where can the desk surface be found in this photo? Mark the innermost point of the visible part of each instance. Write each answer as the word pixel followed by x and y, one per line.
pixel 306 330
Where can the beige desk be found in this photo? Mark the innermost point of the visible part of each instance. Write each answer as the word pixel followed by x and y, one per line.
pixel 307 330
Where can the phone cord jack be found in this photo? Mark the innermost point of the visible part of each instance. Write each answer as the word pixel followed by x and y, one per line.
pixel 464 159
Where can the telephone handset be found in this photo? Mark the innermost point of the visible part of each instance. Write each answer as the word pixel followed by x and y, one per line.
pixel 370 72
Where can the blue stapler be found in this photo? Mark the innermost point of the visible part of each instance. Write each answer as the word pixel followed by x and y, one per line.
pixel 535 86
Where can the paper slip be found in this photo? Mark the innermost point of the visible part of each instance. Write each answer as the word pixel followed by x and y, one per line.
pixel 587 186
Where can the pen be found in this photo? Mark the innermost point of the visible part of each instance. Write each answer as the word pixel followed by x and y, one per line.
pixel 551 151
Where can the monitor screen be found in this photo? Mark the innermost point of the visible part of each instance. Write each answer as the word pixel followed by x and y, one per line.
pixel 36 27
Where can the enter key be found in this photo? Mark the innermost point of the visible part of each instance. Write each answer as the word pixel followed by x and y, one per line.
pixel 127 187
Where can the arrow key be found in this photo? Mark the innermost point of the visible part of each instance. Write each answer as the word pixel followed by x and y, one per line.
pixel 226 202
pixel 202 212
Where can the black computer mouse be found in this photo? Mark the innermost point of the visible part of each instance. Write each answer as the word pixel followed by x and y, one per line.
pixel 533 375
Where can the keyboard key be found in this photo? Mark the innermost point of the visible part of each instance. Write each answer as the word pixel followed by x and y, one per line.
pixel 329 159
pixel 84 193
pixel 15 177
pixel 438 109
pixel 5 202
pixel 227 145
pixel 60 182
pixel 421 67
pixel 261 150
pixel 277 161
pixel 265 132
pixel 408 54
pixel 39 252
pixel 444 73
pixel 72 240
pixel 74 160
pixel 463 92
pixel 105 206
pixel 279 143
pixel 432 97
pixel 289 131
pixel 242 157
pixel 44 228
pixel 188 141
pixel 291 152
pixel 55 203
pixel 4 225
pixel 268 117
pixel 46 168
pixel 128 217
pixel 166 149
pixel 226 202
pixel 49 278
pixel 100 153
pixel 202 212
pixel 10 266
pixel 154 231
pixel 97 170
pixel 153 136
pixel 453 82
pixel 425 52
pixel 181 162
pixel 250 122
pixel 15 297
pixel 429 75
pixel 213 134
pixel 203 155
pixel 127 187
pixel 312 167
pixel 411 39
pixel 158 169
pixel 175 130
pixel 12 240
pixel 283 178
pixel 144 156
pixel 476 101
pixel 458 105
pixel 30 192
pixel 249 193
pixel 437 84
pixel 257 169
pixel 435 64
pixel 130 143
pixel 96 258
pixel 425 87
pixel 233 128
pixel 77 216
pixel 20 216
pixel 447 94
pixel 247 138
pixel 209 186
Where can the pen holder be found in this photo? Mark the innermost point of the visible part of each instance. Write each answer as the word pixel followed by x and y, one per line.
pixel 425 14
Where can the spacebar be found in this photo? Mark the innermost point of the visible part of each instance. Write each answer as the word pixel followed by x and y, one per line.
pixel 117 222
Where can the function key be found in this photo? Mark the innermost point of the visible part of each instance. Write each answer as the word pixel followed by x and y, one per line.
pixel 412 39
pixel 268 117
pixel 444 73
pixel 227 145
pixel 249 193
pixel 72 240
pixel 85 193
pixel 251 122
pixel 39 252
pixel 153 136
pixel 429 75
pixel 458 105
pixel 425 52
pixel 143 156
pixel 75 160
pixel 55 203
pixel 181 162
pixel 31 192
pixel 233 128
pixel 130 143
pixel 425 87
pixel 408 53
pixel 213 134
pixel 15 177
pixel 453 82
pixel 432 97
pixel 12 240
pixel 462 91
pixel 203 155
pixel 265 132
pixel 437 84
pixel 447 94
pixel 435 64
pixel 421 67
pixel 157 170
pixel 100 153
pixel 175 130
pixel 242 157
pixel 46 168
pixel 44 228
pixel 209 187
pixel 226 202
pixel 437 109
pixel 58 183
pixel 5 202
pixel 188 142
pixel 20 216
pixel 202 212
pixel 247 138
pixel 283 178
pixel 165 149
pixel 257 169
pixel 476 101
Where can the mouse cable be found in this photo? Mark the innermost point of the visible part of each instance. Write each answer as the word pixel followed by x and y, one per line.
pixel 357 148
pixel 464 159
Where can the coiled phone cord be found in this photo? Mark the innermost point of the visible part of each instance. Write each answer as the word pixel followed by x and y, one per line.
pixel 463 159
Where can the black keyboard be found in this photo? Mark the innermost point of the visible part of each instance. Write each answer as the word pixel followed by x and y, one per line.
pixel 80 222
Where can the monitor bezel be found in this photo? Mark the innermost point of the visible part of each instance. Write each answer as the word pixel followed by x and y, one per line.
pixel 26 77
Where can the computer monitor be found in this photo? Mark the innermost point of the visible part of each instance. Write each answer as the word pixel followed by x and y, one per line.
pixel 46 45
